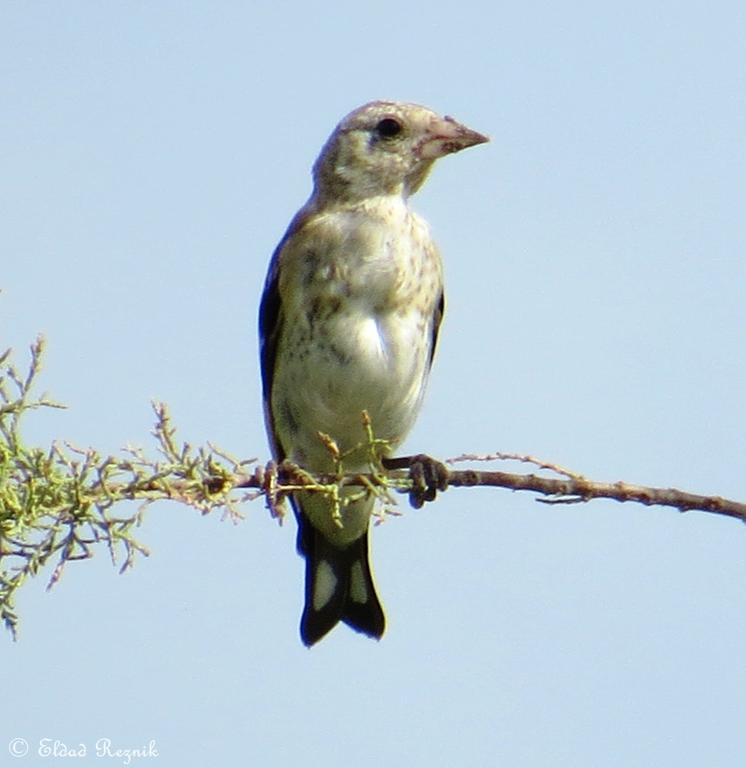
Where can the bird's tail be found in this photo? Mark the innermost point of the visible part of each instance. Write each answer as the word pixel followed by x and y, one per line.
pixel 339 587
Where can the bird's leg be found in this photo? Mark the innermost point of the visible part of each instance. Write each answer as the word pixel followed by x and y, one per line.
pixel 428 476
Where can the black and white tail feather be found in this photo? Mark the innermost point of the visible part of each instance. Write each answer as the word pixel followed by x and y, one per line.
pixel 339 586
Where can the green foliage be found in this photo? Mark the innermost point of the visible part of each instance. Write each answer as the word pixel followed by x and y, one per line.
pixel 57 503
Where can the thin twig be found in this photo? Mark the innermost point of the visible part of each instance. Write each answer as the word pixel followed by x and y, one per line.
pixel 572 488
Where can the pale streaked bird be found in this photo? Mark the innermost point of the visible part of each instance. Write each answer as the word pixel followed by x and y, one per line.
pixel 348 322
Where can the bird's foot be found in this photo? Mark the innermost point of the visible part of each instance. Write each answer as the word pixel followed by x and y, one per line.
pixel 428 476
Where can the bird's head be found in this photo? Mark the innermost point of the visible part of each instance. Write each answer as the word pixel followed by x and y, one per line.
pixel 385 148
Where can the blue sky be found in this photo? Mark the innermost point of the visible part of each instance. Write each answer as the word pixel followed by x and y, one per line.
pixel 151 155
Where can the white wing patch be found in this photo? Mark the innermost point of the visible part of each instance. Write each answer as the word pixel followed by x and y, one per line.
pixel 324 584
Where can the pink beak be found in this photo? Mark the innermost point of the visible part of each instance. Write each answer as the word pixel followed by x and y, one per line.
pixel 446 136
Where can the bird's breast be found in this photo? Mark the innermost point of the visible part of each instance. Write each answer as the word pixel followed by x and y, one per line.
pixel 359 311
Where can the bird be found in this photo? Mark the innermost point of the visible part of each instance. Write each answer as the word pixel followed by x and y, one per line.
pixel 348 323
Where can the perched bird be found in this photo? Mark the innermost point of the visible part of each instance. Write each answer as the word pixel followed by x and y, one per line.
pixel 348 322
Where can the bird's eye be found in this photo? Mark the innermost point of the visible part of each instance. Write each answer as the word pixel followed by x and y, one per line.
pixel 388 128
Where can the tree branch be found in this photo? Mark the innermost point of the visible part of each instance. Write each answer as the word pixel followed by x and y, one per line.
pixel 572 489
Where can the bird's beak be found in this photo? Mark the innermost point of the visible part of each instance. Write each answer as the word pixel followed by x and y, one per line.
pixel 445 136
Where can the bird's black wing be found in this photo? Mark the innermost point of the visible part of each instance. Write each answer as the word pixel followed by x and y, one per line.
pixel 270 322
pixel 437 320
